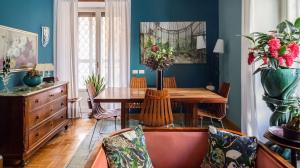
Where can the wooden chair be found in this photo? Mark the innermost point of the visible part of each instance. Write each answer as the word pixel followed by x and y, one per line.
pixel 216 111
pixel 98 112
pixel 156 109
pixel 170 82
pixel 138 82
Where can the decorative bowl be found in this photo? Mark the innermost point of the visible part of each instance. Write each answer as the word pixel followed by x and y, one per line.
pixel 32 81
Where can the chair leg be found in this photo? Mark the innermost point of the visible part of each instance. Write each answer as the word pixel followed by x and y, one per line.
pixel 80 109
pixel 93 133
pixel 201 122
pixel 221 123
pixel 115 123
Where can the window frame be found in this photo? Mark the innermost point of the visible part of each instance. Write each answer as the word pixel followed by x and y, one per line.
pixel 97 12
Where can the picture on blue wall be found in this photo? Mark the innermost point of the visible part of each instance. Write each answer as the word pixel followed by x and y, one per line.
pixel 188 39
pixel 20 46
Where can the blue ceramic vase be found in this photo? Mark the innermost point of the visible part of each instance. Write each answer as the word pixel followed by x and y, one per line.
pixel 32 81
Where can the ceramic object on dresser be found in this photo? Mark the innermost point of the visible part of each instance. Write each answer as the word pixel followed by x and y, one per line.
pixel 32 81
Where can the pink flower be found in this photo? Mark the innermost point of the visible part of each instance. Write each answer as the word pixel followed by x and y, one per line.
pixel 154 48
pixel 281 61
pixel 274 44
pixel 293 50
pixel 265 60
pixel 274 54
pixel 251 58
pixel 289 60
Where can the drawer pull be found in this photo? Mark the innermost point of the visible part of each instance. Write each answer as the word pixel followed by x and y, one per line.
pixel 37 117
pixel 36 101
pixel 62 104
pixel 51 95
pixel 51 110
pixel 37 134
pixel 61 117
pixel 62 91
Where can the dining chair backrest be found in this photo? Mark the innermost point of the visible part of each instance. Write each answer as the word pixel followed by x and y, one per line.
pixel 91 93
pixel 221 108
pixel 224 90
pixel 156 109
pixel 170 82
pixel 138 82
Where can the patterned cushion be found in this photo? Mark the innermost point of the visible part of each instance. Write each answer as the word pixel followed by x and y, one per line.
pixel 229 150
pixel 127 150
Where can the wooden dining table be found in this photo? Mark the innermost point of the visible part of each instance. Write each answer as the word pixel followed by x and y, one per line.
pixel 188 96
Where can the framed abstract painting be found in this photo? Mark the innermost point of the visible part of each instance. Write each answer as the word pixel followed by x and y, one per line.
pixel 183 37
pixel 21 46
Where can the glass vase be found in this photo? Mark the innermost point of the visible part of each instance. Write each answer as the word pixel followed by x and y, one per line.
pixel 5 80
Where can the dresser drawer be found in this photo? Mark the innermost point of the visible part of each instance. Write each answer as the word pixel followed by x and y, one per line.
pixel 40 132
pixel 59 118
pixel 40 114
pixel 38 100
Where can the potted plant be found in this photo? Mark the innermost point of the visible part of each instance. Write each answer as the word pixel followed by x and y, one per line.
pixel 98 82
pixel 291 130
pixel 158 58
pixel 33 78
pixel 277 50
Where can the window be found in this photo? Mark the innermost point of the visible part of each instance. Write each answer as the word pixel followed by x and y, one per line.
pixel 86 47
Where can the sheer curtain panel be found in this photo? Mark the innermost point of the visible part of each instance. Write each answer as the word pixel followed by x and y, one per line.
pixel 117 43
pixel 65 47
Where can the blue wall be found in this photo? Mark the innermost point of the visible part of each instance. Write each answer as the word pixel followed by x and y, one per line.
pixel 29 15
pixel 192 75
pixel 230 21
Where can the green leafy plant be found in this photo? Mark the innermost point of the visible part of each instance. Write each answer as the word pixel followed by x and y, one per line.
pixel 158 56
pixel 97 81
pixel 294 122
pixel 276 49
pixel 34 72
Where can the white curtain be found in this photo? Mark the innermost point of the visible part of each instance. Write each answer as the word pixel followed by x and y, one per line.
pixel 65 43
pixel 117 43
pixel 290 9
pixel 249 114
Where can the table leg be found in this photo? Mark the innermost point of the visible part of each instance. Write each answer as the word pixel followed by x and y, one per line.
pixel 190 115
pixel 123 115
pixel 294 158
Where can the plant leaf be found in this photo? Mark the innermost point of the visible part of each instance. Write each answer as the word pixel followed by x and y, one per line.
pixel 297 23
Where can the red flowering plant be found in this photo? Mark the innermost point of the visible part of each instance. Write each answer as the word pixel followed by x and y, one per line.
pixel 159 56
pixel 276 49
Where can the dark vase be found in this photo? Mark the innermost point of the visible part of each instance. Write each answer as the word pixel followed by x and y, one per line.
pixel 160 80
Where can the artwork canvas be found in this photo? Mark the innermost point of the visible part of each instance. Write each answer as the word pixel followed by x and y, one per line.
pixel 20 46
pixel 181 36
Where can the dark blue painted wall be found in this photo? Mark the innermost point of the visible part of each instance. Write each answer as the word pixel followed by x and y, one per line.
pixel 29 15
pixel 230 63
pixel 192 75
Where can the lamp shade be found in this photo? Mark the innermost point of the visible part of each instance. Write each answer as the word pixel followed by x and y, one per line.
pixel 219 47
pixel 200 42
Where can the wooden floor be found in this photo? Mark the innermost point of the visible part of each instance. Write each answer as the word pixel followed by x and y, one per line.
pixel 58 152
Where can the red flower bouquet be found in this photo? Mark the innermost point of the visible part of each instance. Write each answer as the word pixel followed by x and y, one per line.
pixel 277 49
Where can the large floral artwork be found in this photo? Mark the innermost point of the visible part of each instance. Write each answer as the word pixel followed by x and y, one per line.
pixel 20 46
pixel 181 36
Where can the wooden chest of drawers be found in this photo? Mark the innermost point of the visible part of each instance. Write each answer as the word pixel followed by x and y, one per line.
pixel 29 119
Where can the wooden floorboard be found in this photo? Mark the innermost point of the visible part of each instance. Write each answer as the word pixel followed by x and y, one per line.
pixel 58 152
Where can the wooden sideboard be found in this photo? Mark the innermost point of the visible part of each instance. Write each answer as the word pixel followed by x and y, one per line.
pixel 29 119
